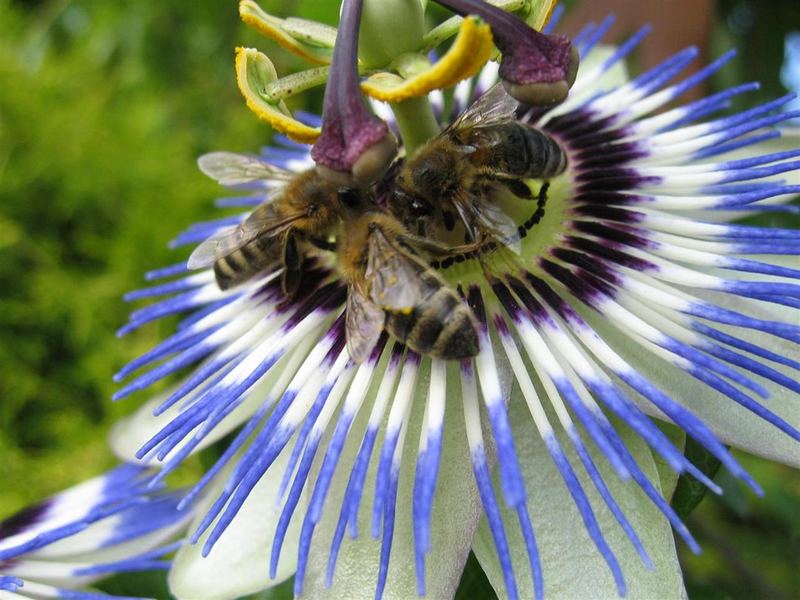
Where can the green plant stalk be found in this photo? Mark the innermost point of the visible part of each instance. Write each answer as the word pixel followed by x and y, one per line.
pixel 416 122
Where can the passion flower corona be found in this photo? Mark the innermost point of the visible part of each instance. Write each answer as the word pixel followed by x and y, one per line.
pixel 622 291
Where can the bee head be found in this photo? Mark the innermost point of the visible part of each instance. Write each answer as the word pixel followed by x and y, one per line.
pixel 350 198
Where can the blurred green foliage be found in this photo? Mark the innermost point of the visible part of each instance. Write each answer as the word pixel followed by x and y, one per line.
pixel 103 111
pixel 104 107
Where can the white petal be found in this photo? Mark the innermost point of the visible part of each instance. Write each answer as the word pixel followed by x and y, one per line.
pixel 456 512
pixel 239 562
pixel 733 424
pixel 572 567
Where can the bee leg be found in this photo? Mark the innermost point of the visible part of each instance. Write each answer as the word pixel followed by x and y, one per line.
pixel 466 220
pixel 542 199
pixel 322 244
pixel 292 266
pixel 517 187
pixel 449 220
pixel 441 250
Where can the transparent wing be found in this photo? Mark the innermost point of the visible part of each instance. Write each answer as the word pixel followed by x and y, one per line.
pixel 205 254
pixel 363 323
pixel 262 222
pixel 394 277
pixel 494 106
pixel 229 168
pixel 491 219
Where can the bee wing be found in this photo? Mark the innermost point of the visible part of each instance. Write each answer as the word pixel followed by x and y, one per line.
pixel 493 219
pixel 207 253
pixel 494 106
pixel 230 169
pixel 229 240
pixel 363 324
pixel 393 275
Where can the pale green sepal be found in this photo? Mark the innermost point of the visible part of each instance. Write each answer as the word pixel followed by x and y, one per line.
pixel 239 562
pixel 733 424
pixel 666 474
pixel 572 567
pixel 789 140
pixel 132 432
pixel 456 512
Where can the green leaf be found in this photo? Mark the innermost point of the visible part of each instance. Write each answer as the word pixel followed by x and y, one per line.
pixel 474 583
pixel 572 567
pixel 284 591
pixel 456 512
pixel 689 492
pixel 147 584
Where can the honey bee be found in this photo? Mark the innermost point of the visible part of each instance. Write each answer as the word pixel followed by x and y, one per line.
pixel 391 286
pixel 485 148
pixel 305 211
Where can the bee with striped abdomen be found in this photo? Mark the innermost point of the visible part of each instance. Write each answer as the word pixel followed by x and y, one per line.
pixel 458 171
pixel 391 286
pixel 304 211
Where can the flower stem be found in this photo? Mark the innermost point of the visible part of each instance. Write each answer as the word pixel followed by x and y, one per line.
pixel 416 122
pixel 389 29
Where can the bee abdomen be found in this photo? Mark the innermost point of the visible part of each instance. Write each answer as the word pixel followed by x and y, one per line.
pixel 546 158
pixel 442 326
pixel 517 150
pixel 242 264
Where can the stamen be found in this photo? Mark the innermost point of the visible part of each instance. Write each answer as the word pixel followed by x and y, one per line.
pixel 354 143
pixel 254 72
pixel 536 68
pixel 281 31
pixel 469 52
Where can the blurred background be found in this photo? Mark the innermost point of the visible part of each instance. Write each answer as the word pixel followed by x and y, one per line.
pixel 104 107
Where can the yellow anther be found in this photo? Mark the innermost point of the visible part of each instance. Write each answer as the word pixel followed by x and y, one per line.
pixel 253 72
pixel 467 55
pixel 267 25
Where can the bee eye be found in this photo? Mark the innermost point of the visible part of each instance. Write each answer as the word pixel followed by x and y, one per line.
pixel 349 197
pixel 416 206
pixel 426 175
pixel 421 208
